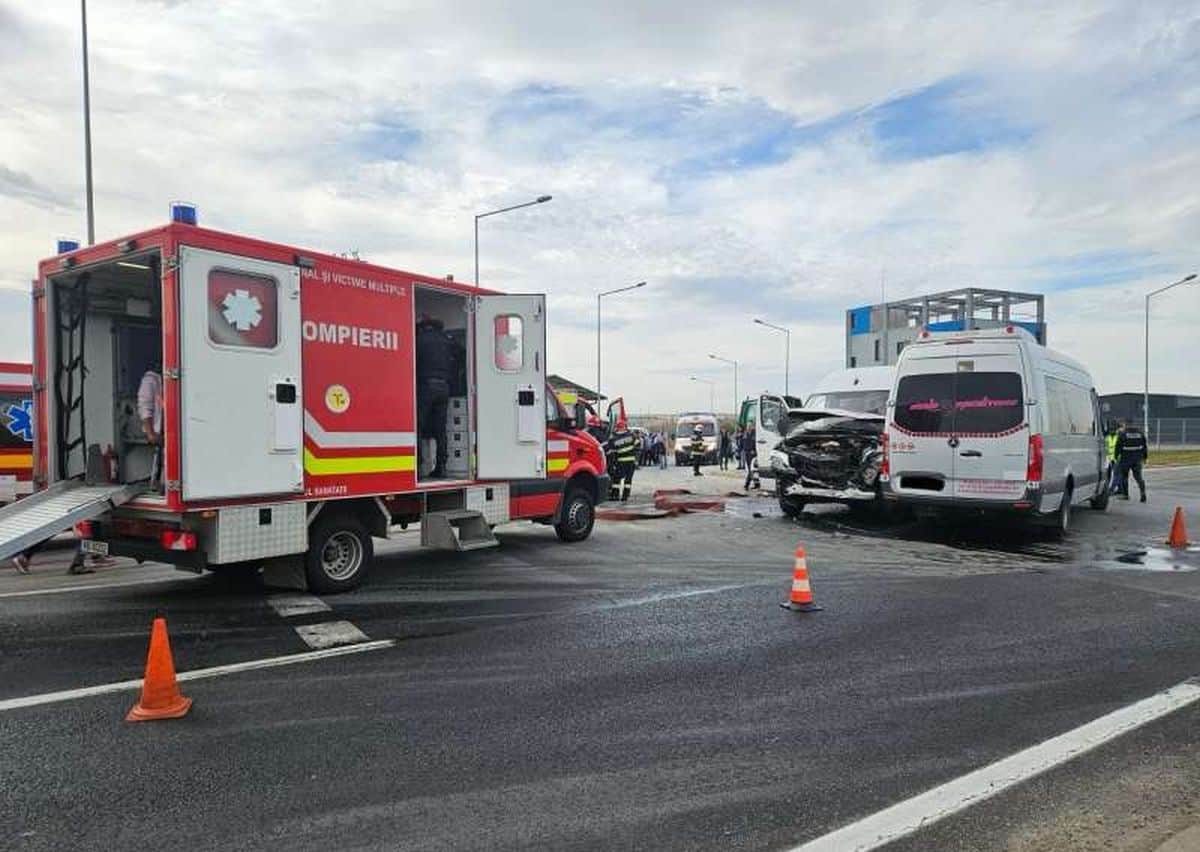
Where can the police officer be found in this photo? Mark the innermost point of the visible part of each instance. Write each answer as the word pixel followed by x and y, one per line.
pixel 622 448
pixel 1132 451
pixel 438 363
pixel 697 449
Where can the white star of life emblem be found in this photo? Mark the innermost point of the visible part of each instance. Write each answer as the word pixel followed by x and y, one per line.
pixel 242 311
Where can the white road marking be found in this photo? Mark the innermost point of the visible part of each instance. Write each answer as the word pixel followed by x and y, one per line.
pixel 289 604
pixel 58 590
pixel 196 674
pixel 331 634
pixel 904 818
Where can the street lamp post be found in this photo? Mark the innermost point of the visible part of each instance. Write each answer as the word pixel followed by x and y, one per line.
pixel 712 386
pixel 87 129
pixel 598 297
pixel 541 199
pixel 1146 363
pixel 787 357
pixel 735 379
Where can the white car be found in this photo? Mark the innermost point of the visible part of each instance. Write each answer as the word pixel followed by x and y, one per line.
pixel 993 421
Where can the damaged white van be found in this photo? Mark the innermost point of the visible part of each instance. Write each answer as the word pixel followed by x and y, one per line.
pixel 992 421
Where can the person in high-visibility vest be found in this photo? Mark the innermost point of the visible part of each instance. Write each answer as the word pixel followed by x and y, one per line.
pixel 623 449
pixel 1110 445
pixel 697 449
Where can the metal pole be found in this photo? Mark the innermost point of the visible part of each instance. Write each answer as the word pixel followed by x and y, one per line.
pixel 476 251
pixel 1146 376
pixel 87 130
pixel 597 354
pixel 787 364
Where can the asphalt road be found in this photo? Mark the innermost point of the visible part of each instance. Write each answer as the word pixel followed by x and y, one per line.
pixel 642 690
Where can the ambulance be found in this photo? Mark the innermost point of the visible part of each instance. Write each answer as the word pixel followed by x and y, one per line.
pixel 289 413
pixel 16 431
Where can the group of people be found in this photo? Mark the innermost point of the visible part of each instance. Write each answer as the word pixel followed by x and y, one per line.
pixel 653 450
pixel 739 445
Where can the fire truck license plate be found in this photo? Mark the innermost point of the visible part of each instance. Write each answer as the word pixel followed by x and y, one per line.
pixel 94 548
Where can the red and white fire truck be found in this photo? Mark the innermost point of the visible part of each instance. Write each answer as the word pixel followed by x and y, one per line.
pixel 16 431
pixel 289 409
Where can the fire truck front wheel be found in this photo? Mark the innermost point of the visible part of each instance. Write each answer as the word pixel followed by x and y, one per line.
pixel 578 515
pixel 339 555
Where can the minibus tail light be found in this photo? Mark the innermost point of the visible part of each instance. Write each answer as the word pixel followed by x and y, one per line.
pixel 1036 460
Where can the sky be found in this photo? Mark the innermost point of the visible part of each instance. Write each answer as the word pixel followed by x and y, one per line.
pixel 779 160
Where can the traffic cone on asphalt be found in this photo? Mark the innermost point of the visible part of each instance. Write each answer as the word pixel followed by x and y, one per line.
pixel 160 692
pixel 801 598
pixel 1178 536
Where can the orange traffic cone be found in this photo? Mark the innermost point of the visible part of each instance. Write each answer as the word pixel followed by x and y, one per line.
pixel 160 692
pixel 801 599
pixel 1178 536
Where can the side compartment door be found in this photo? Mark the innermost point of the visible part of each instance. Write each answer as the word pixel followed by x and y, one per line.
pixel 241 426
pixel 510 386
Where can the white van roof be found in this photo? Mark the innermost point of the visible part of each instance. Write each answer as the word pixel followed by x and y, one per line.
pixel 857 378
pixel 1041 357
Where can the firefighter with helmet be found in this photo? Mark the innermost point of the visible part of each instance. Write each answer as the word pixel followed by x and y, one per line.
pixel 621 449
pixel 697 449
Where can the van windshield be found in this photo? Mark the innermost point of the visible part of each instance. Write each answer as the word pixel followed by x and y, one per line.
pixel 865 401
pixel 960 402
pixel 684 430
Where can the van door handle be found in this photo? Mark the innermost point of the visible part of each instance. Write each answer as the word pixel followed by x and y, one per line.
pixel 975 454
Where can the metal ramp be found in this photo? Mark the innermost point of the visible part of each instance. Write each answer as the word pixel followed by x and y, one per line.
pixel 44 515
pixel 457 529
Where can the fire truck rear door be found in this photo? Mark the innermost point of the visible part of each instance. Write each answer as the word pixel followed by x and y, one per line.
pixel 241 421
pixel 510 386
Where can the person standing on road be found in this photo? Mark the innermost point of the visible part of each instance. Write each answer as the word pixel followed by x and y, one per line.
pixel 697 449
pixel 750 456
pixel 723 450
pixel 662 450
pixel 437 365
pixel 1110 447
pixel 1132 451
pixel 739 447
pixel 623 448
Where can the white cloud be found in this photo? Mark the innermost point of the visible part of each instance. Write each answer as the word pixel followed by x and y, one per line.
pixel 383 129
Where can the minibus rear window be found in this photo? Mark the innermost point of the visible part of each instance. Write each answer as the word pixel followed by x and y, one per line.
pixel 959 402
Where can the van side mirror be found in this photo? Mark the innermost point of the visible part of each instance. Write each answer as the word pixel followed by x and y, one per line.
pixel 580 416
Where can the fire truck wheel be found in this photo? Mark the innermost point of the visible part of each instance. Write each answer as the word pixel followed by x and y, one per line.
pixel 578 516
pixel 339 554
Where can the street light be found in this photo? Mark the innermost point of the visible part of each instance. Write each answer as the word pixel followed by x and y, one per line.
pixel 735 379
pixel 598 297
pixel 541 199
pixel 87 129
pixel 1146 387
pixel 787 357
pixel 712 405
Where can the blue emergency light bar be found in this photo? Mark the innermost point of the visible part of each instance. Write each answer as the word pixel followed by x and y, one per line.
pixel 64 246
pixel 183 211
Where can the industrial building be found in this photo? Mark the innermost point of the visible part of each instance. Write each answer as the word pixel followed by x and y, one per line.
pixel 877 334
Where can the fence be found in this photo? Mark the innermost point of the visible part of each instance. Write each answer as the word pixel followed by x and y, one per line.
pixel 1174 433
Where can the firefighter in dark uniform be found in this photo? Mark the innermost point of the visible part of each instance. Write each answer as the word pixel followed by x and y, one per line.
pixel 438 362
pixel 697 449
pixel 622 451
pixel 1132 449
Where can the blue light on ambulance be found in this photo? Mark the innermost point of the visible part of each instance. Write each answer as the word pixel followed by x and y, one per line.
pixel 183 211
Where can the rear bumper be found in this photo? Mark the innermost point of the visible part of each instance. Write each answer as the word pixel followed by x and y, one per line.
pixel 145 550
pixel 1029 503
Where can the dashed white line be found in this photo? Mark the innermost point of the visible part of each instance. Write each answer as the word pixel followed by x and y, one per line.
pixel 906 817
pixel 196 674
pixel 330 634
pixel 59 590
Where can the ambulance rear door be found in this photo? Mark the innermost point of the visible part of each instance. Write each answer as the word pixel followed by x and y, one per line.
pixel 510 386
pixel 241 426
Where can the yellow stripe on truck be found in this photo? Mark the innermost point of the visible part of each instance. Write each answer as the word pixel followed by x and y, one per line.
pixel 16 462
pixel 357 464
pixel 556 465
